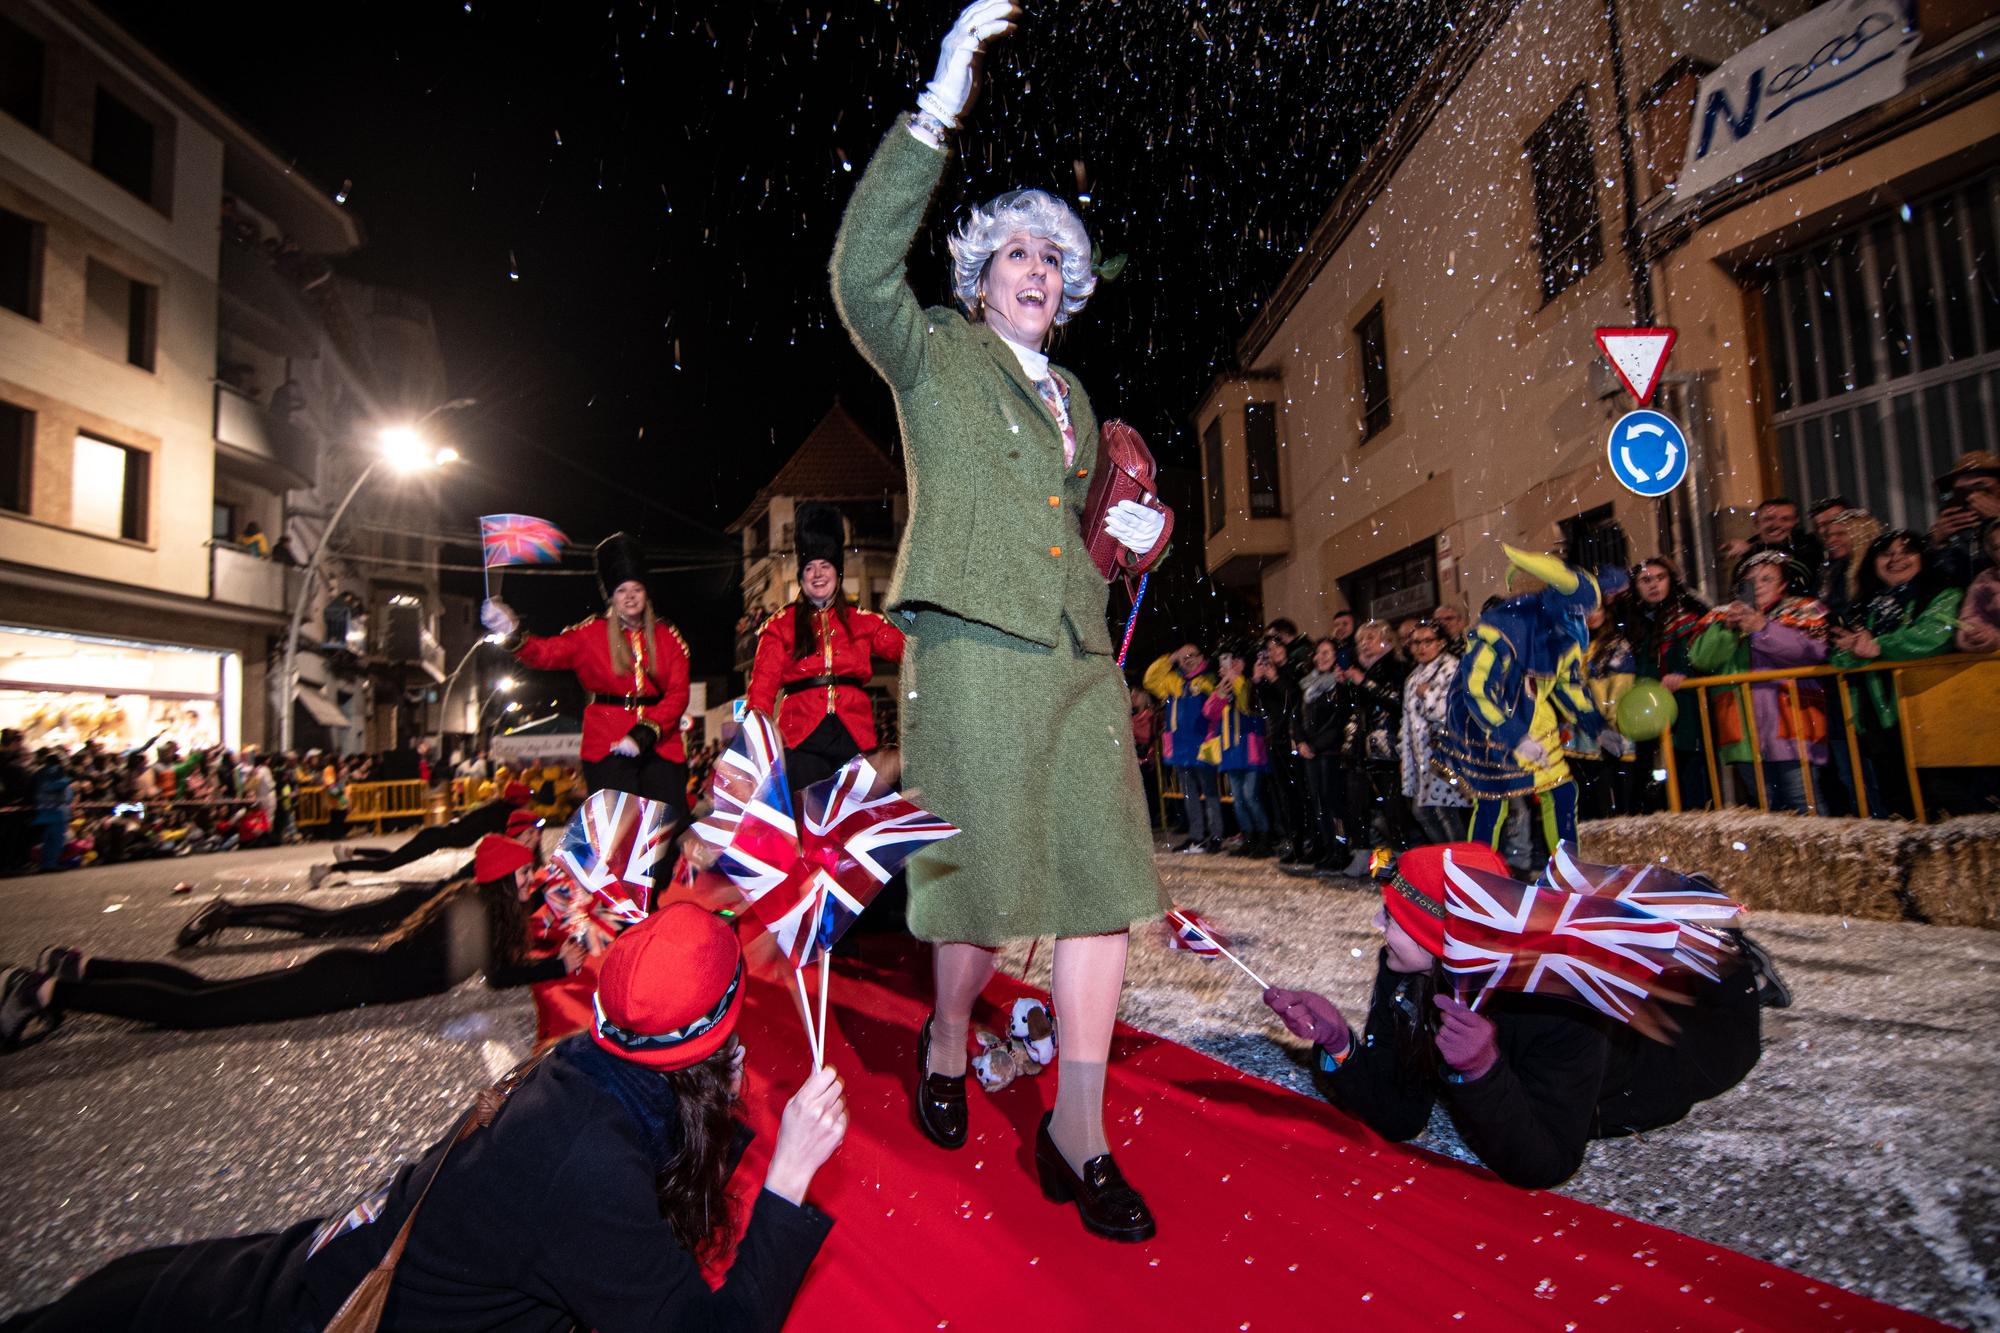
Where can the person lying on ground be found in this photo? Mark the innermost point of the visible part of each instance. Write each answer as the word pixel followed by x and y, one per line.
pixel 500 815
pixel 594 1198
pixel 1531 1079
pixel 466 928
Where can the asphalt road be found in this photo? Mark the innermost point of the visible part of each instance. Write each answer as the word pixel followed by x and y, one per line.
pixel 1862 1149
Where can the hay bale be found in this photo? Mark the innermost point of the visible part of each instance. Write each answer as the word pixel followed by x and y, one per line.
pixel 1778 862
pixel 1952 871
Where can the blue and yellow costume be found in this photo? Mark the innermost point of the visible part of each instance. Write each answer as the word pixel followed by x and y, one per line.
pixel 1521 679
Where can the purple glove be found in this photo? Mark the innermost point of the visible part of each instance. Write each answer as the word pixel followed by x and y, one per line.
pixel 1465 1040
pixel 1309 1016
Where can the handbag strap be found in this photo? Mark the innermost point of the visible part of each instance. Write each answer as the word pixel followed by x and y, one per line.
pixel 486 1104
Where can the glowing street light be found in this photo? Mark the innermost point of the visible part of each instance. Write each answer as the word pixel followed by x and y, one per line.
pixel 402 448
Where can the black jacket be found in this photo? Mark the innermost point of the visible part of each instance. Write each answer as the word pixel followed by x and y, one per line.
pixel 1372 709
pixel 1565 1075
pixel 545 1220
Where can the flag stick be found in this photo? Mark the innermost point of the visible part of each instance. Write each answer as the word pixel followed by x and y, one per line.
pixel 806 1016
pixel 1262 984
pixel 825 980
pixel 819 1040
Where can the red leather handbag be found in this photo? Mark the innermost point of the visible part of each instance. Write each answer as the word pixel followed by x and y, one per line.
pixel 1125 471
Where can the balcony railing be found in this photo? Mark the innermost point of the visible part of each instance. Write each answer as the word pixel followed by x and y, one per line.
pixel 247 431
pixel 240 577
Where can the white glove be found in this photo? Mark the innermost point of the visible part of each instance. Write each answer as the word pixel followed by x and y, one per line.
pixel 1136 527
pixel 626 746
pixel 1530 753
pixel 497 617
pixel 1614 743
pixel 951 87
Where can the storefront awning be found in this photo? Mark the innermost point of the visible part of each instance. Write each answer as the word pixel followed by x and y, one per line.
pixel 321 708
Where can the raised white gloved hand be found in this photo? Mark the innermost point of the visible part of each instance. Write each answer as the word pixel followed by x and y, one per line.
pixel 951 87
pixel 1614 743
pixel 498 617
pixel 1136 527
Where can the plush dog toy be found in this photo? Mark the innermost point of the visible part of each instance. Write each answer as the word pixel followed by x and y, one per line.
pixel 1031 1021
pixel 1001 1060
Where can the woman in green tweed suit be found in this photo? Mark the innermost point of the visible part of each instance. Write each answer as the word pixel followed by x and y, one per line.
pixel 1015 724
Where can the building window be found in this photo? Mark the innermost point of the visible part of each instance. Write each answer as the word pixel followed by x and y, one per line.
pixel 1594 539
pixel 1373 338
pixel 1404 584
pixel 107 489
pixel 1260 451
pixel 1211 466
pixel 222 527
pixel 20 265
pixel 23 57
pixel 120 315
pixel 1884 352
pixel 121 145
pixel 17 446
pixel 1566 229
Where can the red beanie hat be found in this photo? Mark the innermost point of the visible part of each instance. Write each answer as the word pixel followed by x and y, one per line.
pixel 670 989
pixel 498 857
pixel 517 820
pixel 1414 894
pixel 516 793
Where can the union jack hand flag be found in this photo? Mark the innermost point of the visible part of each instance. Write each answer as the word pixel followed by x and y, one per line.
pixel 582 916
pixel 1502 934
pixel 519 539
pixel 613 847
pixel 807 879
pixel 1696 905
pixel 1190 932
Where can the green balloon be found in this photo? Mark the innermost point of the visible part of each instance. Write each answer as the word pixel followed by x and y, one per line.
pixel 1646 711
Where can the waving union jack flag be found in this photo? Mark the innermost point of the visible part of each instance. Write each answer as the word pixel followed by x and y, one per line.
pixel 1190 932
pixel 1501 934
pixel 613 848
pixel 1695 904
pixel 518 539
pixel 807 879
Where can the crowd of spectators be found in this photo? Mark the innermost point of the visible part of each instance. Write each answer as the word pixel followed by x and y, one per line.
pixel 1327 746
pixel 61 808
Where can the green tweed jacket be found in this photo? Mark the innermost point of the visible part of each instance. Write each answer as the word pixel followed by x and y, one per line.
pixel 995 531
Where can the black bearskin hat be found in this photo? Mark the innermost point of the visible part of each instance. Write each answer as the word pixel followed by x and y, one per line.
pixel 620 558
pixel 819 534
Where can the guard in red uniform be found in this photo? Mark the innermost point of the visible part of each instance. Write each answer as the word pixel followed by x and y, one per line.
pixel 634 670
pixel 813 659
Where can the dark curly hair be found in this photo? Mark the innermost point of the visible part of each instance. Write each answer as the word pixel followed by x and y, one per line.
pixel 694 1185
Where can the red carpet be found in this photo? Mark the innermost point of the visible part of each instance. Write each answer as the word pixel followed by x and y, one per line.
pixel 1275 1210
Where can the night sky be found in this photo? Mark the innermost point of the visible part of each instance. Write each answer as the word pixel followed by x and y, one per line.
pixel 621 215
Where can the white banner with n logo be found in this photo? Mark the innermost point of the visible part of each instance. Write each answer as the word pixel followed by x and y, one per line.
pixel 1816 71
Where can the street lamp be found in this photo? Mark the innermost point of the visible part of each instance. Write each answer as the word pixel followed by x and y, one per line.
pixel 401 448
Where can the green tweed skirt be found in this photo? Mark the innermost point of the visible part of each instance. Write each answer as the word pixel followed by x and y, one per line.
pixel 1028 749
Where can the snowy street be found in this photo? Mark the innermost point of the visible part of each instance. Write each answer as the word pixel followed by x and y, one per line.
pixel 1860 1150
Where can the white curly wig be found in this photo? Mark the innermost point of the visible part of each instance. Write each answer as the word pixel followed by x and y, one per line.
pixel 1038 213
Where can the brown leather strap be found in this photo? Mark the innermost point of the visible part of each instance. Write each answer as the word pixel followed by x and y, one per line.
pixel 361 1312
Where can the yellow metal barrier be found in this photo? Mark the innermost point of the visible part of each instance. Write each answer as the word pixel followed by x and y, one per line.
pixel 367 803
pixel 1948 706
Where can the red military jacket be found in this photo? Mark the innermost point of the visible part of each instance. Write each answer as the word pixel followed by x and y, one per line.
pixel 847 640
pixel 618 703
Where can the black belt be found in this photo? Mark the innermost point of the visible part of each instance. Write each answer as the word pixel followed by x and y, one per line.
pixel 622 700
pixel 822 682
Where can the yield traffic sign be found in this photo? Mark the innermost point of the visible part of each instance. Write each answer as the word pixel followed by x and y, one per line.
pixel 1648 452
pixel 1637 356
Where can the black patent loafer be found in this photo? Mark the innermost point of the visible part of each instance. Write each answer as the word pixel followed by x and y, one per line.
pixel 940 1099
pixel 1106 1203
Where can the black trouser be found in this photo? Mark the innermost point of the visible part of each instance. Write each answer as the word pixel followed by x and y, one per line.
pixel 1373 790
pixel 378 916
pixel 1649 1083
pixel 820 755
pixel 327 983
pixel 109 1298
pixel 644 774
pixel 468 828
pixel 1288 789
pixel 1328 790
